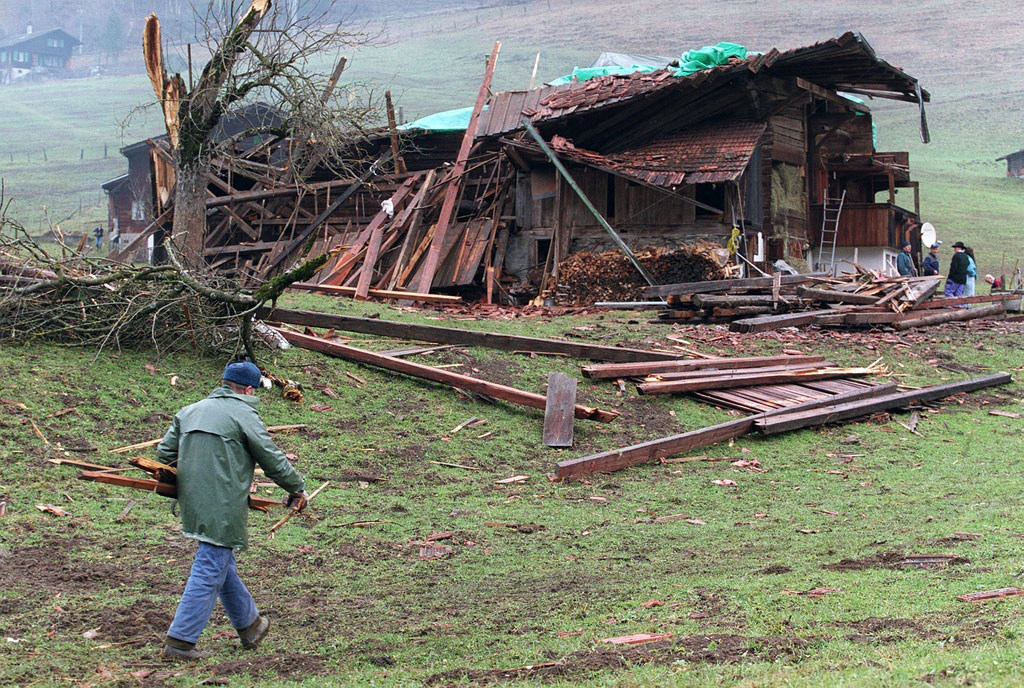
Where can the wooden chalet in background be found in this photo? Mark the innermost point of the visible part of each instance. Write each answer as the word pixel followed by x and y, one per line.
pixel 758 144
pixel 43 52
pixel 1014 163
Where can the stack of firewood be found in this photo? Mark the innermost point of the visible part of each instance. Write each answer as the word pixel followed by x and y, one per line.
pixel 585 277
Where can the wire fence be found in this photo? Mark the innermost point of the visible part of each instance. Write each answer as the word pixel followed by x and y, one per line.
pixel 42 154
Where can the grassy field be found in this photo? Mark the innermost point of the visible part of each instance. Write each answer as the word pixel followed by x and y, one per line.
pixel 539 572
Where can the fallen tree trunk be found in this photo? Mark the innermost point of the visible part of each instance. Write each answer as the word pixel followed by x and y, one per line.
pixel 472 384
pixel 664 447
pixel 957 315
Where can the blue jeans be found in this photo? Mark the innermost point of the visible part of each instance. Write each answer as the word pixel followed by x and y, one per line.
pixel 213 575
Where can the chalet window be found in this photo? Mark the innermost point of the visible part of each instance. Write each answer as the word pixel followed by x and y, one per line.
pixel 54 42
pixel 138 210
pixel 3 56
pixel 709 194
pixel 50 61
pixel 19 56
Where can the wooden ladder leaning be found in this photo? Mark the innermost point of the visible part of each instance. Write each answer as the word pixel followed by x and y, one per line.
pixel 831 211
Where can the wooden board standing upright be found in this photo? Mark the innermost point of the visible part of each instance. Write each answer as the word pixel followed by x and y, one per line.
pixel 559 410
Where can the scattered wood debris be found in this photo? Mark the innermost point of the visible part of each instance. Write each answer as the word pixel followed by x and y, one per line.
pixel 861 299
pixel 990 594
pixel 638 638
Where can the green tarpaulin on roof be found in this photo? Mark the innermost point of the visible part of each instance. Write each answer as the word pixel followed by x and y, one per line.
pixel 449 120
pixel 709 56
pixel 692 61
pixel 582 74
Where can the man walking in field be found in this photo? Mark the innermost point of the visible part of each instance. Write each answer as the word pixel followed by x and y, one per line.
pixel 215 445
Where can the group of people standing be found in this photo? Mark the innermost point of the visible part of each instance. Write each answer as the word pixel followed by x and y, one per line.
pixel 963 271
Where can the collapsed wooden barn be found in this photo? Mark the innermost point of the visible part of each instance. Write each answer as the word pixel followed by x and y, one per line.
pixel 769 154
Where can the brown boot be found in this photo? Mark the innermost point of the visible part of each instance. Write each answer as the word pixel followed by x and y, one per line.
pixel 179 649
pixel 252 635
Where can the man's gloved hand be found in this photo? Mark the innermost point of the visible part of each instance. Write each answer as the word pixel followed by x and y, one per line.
pixel 297 501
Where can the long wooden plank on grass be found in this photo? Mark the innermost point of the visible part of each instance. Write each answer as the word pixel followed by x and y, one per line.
pixel 664 447
pixel 745 380
pixel 375 293
pixel 795 418
pixel 451 335
pixel 166 489
pixel 700 374
pixel 727 284
pixel 558 413
pixel 466 382
pixel 642 368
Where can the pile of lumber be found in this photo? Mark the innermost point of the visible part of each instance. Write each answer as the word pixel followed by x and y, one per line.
pixel 393 255
pixel 777 407
pixel 864 299
pixel 758 383
pixel 586 277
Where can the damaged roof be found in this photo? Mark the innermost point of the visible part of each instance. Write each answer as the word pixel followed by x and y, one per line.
pixel 846 63
pixel 716 152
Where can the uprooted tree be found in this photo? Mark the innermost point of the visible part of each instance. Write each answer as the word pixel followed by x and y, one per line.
pixel 266 58
pixel 64 294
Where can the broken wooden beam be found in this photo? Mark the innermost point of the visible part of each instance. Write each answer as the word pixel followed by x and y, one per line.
pixel 707 301
pixel 774 322
pixel 832 296
pixel 728 284
pixel 793 419
pixel 447 213
pixel 298 241
pixel 664 447
pixel 464 382
pixel 375 293
pixel 451 335
pixel 166 489
pixel 748 379
pixel 642 368
pixel 951 315
pixel 558 412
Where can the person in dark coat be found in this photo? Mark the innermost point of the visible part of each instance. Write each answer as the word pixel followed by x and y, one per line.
pixel 956 278
pixel 905 262
pixel 930 264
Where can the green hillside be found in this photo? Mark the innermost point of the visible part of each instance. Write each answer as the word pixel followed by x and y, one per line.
pixel 967 56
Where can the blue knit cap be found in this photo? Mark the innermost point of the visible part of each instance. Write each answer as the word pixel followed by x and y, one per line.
pixel 243 373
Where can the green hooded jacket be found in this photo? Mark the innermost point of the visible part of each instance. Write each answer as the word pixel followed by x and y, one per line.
pixel 215 445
